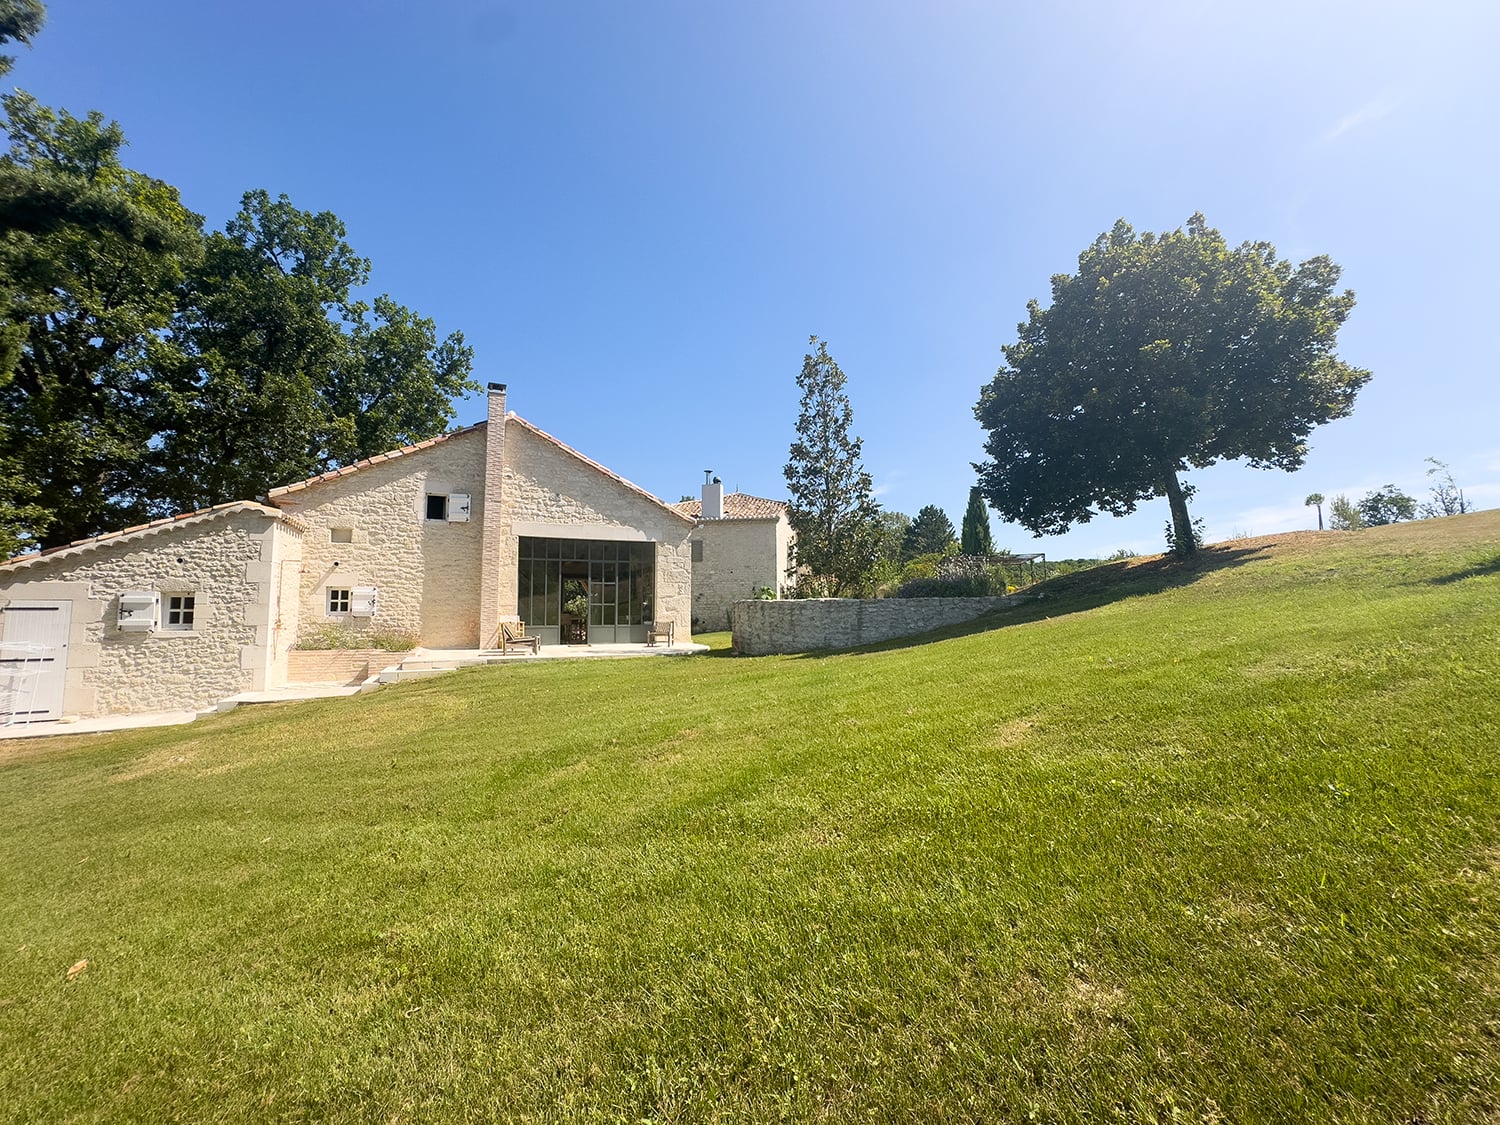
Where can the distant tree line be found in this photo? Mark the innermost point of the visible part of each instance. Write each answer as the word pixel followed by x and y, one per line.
pixel 1390 505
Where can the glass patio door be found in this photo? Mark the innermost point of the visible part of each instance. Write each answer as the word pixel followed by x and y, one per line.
pixel 620 580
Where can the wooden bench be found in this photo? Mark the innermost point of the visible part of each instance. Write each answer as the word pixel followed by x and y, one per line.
pixel 513 635
pixel 661 630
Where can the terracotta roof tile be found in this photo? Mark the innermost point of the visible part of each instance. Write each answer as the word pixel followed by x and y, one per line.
pixel 737 506
pixel 140 529
pixel 390 455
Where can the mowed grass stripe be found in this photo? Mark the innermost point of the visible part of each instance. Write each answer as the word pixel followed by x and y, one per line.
pixel 1215 841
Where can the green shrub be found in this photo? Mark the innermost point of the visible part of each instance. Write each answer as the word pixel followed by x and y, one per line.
pixel 332 635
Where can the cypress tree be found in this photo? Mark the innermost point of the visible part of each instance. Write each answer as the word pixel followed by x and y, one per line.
pixel 976 534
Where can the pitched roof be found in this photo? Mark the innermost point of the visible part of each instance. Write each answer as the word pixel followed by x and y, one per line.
pixel 406 450
pixel 737 506
pixel 334 474
pixel 589 461
pixel 155 527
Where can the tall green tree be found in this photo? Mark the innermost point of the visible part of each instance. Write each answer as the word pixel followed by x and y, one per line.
pixel 1162 353
pixel 893 528
pixel 1344 514
pixel 20 20
pixel 975 539
pixel 931 533
pixel 280 374
pixel 832 500
pixel 89 274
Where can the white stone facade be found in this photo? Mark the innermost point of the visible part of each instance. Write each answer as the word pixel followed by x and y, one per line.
pixel 737 558
pixel 433 530
pixel 553 493
pixel 425 572
pixel 229 561
pixel 742 544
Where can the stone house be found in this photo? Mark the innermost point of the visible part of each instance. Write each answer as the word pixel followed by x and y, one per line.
pixel 741 544
pixel 438 541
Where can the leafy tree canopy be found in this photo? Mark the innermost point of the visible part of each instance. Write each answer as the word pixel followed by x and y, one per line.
pixel 282 374
pixel 893 528
pixel 1344 515
pixel 88 276
pixel 1162 353
pixel 1386 505
pixel 976 539
pixel 832 506
pixel 20 20
pixel 146 368
pixel 930 533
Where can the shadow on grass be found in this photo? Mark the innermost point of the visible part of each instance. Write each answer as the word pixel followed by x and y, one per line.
pixel 1079 592
pixel 1479 570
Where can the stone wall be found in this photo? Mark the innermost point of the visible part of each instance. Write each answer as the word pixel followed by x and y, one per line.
pixel 228 562
pixel 739 557
pixel 338 665
pixel 806 625
pixel 426 572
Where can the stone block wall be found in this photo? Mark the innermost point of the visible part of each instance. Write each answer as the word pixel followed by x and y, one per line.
pixel 227 562
pixel 807 625
pixel 739 557
pixel 338 665
pixel 426 572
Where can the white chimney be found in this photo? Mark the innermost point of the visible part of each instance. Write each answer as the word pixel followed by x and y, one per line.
pixel 713 497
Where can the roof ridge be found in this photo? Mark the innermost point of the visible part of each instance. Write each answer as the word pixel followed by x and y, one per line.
pixel 512 416
pixel 151 527
pixel 366 462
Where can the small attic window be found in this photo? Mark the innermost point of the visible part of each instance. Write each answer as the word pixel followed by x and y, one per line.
pixel 437 507
pixel 341 535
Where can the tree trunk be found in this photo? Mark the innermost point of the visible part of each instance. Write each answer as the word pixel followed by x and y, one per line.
pixel 1184 542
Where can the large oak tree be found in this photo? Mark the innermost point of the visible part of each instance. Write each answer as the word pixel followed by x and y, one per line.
pixel 146 368
pixel 91 257
pixel 1162 353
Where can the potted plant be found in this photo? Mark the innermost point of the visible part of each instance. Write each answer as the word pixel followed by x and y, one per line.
pixel 576 607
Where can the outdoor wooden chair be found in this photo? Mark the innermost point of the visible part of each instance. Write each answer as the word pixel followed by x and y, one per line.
pixel 513 635
pixel 661 630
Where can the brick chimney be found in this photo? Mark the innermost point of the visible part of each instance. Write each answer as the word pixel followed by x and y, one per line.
pixel 495 526
pixel 713 496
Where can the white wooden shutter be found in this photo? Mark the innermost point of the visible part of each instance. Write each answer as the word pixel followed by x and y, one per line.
pixel 140 611
pixel 458 507
pixel 362 601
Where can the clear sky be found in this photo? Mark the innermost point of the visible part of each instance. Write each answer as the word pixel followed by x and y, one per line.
pixel 638 213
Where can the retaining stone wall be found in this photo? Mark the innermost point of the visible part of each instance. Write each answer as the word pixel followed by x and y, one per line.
pixel 796 625
pixel 338 665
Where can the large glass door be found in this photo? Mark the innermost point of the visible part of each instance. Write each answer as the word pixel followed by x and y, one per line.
pixel 617 579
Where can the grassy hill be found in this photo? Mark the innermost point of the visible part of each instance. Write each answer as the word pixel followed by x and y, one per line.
pixel 1213 842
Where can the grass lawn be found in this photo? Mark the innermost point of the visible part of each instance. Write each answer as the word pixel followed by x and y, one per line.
pixel 1171 843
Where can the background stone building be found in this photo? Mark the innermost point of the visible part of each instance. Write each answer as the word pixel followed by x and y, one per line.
pixel 741 545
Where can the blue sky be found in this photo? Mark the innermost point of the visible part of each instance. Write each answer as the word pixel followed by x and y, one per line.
pixel 637 214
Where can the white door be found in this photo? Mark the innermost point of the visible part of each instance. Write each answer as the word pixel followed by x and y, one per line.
pixel 33 660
